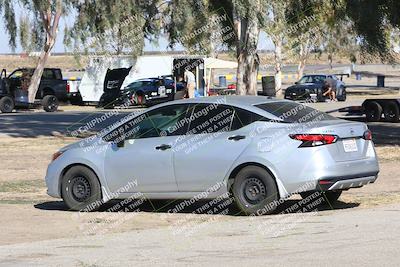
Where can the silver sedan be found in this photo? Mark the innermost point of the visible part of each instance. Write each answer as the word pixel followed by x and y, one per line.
pixel 258 150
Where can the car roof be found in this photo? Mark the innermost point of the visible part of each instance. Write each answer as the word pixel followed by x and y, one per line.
pixel 144 80
pixel 245 102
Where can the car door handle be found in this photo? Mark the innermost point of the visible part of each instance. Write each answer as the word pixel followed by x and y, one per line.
pixel 163 147
pixel 236 137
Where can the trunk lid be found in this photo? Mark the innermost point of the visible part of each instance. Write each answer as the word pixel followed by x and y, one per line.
pixel 115 78
pixel 350 144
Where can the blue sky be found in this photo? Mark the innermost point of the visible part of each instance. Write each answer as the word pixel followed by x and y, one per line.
pixel 264 42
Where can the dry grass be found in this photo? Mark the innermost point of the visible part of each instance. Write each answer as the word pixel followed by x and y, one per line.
pixel 63 62
pixel 67 62
pixel 388 153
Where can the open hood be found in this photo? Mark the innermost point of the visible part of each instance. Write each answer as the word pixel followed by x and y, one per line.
pixel 114 78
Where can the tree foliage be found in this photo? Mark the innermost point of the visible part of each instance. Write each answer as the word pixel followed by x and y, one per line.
pixel 113 26
pixel 371 20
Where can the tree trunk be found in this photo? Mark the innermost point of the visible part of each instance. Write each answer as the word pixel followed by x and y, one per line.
pixel 301 67
pixel 37 75
pixel 278 66
pixel 303 55
pixel 246 50
pixel 50 25
pixel 330 59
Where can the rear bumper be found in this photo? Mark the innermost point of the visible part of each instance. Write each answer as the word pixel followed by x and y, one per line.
pixel 344 183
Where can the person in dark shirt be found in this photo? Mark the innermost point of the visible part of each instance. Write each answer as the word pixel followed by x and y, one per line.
pixel 330 89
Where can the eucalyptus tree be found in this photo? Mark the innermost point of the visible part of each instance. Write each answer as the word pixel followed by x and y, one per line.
pixel 247 18
pixel 236 23
pixel 371 21
pixel 113 27
pixel 276 29
pixel 38 28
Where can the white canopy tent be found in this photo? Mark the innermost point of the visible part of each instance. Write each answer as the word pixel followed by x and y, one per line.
pixel 215 63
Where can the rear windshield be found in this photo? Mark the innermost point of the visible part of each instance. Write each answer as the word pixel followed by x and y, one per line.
pixel 292 112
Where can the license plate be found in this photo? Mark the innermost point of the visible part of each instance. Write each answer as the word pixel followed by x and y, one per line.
pixel 161 90
pixel 350 145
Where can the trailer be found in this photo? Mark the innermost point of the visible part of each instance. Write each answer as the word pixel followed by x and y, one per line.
pixel 376 110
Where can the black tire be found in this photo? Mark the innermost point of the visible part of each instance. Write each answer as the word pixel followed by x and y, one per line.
pixel 81 189
pixel 255 191
pixel 6 104
pixel 329 196
pixel 373 111
pixel 50 103
pixel 391 111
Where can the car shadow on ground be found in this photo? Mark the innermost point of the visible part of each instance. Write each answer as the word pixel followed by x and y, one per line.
pixel 224 207
pixel 34 124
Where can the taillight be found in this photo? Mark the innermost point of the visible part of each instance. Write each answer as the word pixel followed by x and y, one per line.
pixel 67 87
pixel 367 135
pixel 311 140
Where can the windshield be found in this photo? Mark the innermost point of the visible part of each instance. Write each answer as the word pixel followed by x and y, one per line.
pixel 312 79
pixel 292 112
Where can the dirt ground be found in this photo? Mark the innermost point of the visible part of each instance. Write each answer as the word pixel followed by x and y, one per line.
pixel 29 215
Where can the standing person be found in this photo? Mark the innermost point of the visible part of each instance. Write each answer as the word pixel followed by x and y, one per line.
pixel 190 80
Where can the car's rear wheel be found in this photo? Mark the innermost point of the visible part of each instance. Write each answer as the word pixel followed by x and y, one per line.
pixel 255 191
pixel 81 189
pixel 6 104
pixel 50 103
pixel 329 196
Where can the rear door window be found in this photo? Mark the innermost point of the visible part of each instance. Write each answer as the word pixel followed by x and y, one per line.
pixel 292 112
pixel 243 118
pixel 210 118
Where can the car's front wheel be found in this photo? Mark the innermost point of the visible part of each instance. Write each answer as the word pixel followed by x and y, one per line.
pixel 6 104
pixel 255 191
pixel 81 189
